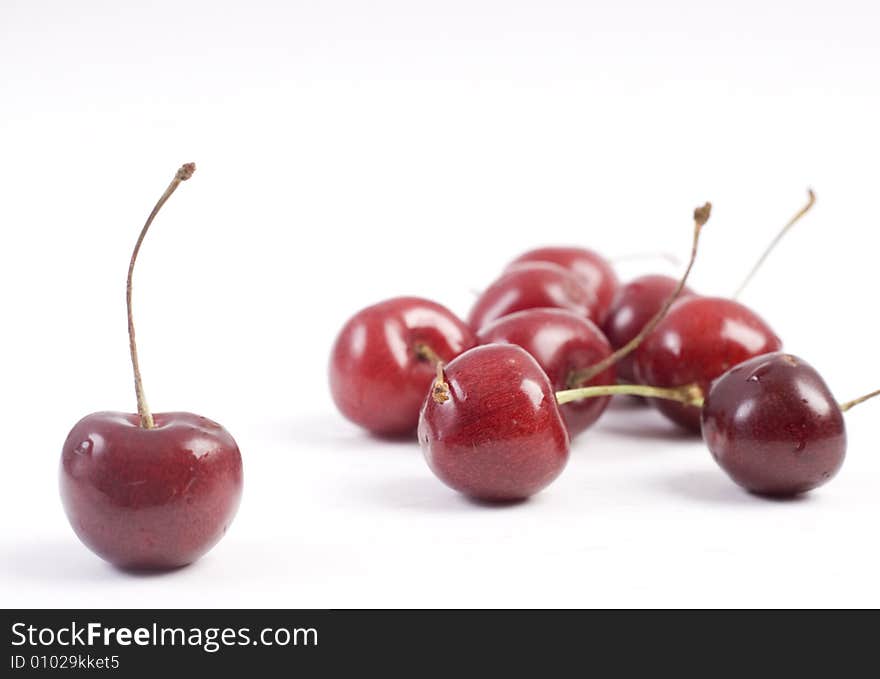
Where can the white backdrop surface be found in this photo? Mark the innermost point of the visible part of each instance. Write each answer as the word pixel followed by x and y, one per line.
pixel 346 149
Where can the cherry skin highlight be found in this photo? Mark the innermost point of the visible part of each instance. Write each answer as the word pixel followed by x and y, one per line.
pixel 532 286
pixel 774 427
pixel 595 272
pixel 384 359
pixel 635 304
pixel 492 429
pixel 153 498
pixel 700 339
pixel 561 342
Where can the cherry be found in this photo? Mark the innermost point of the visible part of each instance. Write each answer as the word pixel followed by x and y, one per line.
pixel 150 498
pixel 562 343
pixel 145 491
pixel 532 286
pixel 595 272
pixel 770 422
pixel 698 340
pixel 385 357
pixel 490 428
pixel 773 426
pixel 635 304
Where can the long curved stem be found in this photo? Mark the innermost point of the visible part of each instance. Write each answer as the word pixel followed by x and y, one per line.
pixel 690 394
pixel 701 216
pixel 184 173
pixel 861 399
pixel 772 246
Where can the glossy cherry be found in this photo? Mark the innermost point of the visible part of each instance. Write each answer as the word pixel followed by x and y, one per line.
pixel 562 343
pixel 145 491
pixel 384 360
pixel 635 304
pixel 150 498
pixel 773 426
pixel 595 272
pixel 491 428
pixel 532 286
pixel 700 339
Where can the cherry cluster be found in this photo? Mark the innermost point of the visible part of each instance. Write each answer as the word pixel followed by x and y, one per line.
pixel 495 400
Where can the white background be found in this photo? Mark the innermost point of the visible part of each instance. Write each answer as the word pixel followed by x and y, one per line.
pixel 353 151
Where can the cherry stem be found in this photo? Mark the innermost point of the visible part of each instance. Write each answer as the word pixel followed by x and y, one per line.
pixel 426 353
pixel 811 200
pixel 689 394
pixel 861 399
pixel 146 417
pixel 440 389
pixel 701 216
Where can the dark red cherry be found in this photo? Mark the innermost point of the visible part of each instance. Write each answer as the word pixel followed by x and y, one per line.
pixel 700 339
pixel 594 271
pixel 492 429
pixel 635 304
pixel 383 361
pixel 147 491
pixel 773 425
pixel 562 342
pixel 532 286
pixel 150 498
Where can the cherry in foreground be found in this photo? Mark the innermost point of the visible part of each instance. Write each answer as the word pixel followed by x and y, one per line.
pixel 774 426
pixel 771 423
pixel 385 357
pixel 147 491
pixel 490 428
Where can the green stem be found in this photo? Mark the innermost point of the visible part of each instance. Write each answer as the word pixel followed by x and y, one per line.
pixel 861 399
pixel 690 394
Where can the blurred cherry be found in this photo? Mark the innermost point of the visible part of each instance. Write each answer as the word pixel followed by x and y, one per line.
pixel 595 272
pixel 635 304
pixel 384 359
pixel 532 286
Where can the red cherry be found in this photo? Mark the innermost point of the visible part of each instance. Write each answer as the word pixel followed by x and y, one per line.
pixel 384 359
pixel 562 343
pixel 698 340
pixel 145 491
pixel 491 428
pixel 635 304
pixel 150 498
pixel 595 272
pixel 773 425
pixel 532 286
